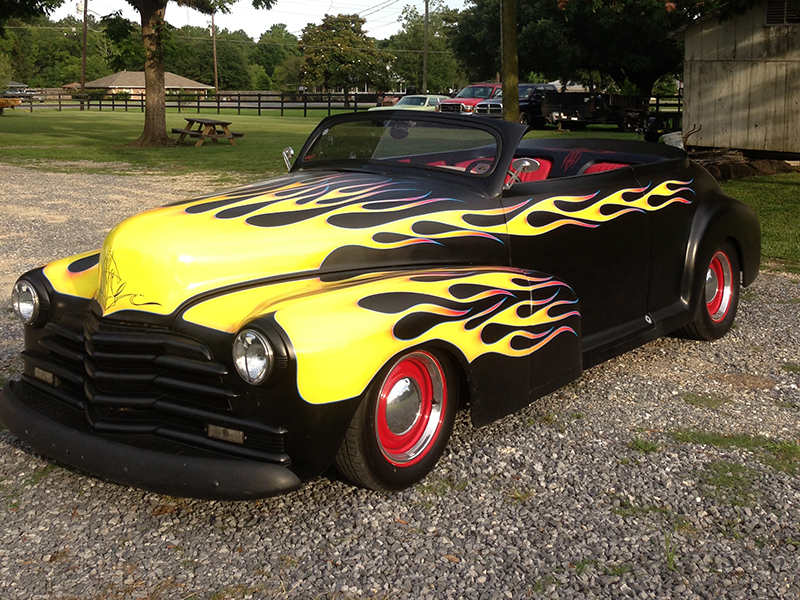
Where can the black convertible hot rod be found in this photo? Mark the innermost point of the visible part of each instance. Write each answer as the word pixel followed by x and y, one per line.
pixel 234 345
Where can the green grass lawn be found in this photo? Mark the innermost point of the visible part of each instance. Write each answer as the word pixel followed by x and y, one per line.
pixel 52 140
pixel 776 201
pixel 65 140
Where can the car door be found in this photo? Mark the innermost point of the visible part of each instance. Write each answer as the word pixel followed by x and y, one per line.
pixel 670 230
pixel 585 231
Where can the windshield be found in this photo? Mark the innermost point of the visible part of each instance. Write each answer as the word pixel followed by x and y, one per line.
pixel 524 92
pixel 405 142
pixel 412 101
pixel 476 91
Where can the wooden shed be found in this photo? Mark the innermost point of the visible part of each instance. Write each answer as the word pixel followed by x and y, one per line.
pixel 742 79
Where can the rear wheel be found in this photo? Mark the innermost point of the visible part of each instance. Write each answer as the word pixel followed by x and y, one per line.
pixel 403 423
pixel 720 297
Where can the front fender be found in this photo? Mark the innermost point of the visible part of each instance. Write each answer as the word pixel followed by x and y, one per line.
pixel 342 333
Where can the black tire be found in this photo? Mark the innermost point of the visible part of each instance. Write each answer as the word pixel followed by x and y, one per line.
pixel 395 448
pixel 523 118
pixel 719 297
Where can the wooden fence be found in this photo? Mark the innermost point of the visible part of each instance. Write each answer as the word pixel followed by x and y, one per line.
pixel 670 108
pixel 252 102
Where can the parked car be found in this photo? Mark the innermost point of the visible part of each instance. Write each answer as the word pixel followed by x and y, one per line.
pixel 410 264
pixel 530 104
pixel 467 98
pixel 24 94
pixel 415 102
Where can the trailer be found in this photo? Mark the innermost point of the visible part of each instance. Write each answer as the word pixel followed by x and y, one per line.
pixel 578 109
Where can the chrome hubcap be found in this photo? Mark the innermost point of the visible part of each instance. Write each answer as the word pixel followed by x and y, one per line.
pixel 403 404
pixel 719 287
pixel 411 408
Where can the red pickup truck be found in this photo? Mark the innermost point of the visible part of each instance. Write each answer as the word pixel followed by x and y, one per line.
pixel 464 102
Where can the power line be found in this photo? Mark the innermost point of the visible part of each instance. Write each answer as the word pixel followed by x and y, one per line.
pixel 371 11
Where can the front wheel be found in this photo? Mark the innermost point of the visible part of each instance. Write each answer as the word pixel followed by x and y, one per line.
pixel 720 297
pixel 403 423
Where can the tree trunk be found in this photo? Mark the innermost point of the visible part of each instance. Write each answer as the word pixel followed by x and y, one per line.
pixel 155 109
pixel 509 60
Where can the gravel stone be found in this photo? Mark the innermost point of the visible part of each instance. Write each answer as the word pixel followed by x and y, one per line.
pixel 555 501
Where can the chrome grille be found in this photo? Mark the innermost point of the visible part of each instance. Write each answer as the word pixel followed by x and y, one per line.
pixel 489 109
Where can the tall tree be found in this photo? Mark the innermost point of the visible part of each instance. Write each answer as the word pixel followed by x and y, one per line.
pixel 5 70
pixel 23 9
pixel 587 40
pixel 125 43
pixel 48 54
pixel 153 29
pixel 189 52
pixel 259 80
pixel 476 39
pixel 274 47
pixel 444 72
pixel 509 66
pixel 339 54
pixel 625 40
pixel 288 75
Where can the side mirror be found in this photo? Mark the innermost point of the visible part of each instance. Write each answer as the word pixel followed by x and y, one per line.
pixel 288 155
pixel 518 167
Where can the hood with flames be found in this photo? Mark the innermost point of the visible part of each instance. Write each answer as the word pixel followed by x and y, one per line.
pixel 313 224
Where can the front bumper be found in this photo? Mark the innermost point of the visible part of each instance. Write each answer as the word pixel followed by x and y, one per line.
pixel 165 468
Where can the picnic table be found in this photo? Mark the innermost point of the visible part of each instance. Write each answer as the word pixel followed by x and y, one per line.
pixel 207 129
pixel 8 103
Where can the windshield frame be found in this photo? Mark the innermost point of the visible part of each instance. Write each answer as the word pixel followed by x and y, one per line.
pixel 507 134
pixel 409 119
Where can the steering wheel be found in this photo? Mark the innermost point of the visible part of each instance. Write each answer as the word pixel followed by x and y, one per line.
pixel 479 167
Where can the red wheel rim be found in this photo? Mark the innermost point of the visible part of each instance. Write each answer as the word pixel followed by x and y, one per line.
pixel 411 409
pixel 719 287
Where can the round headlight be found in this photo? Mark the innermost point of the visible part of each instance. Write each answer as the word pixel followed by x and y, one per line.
pixel 25 301
pixel 252 356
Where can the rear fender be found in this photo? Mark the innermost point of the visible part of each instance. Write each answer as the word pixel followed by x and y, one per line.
pixel 720 217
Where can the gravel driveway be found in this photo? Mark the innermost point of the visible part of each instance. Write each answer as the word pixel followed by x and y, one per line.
pixel 588 493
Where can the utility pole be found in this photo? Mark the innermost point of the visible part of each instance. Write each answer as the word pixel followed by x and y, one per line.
pixel 509 66
pixel 425 54
pixel 83 57
pixel 214 47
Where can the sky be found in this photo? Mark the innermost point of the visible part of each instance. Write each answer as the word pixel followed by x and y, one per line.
pixel 381 15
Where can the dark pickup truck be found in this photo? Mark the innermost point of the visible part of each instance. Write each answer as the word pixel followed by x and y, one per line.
pixel 578 109
pixel 531 96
